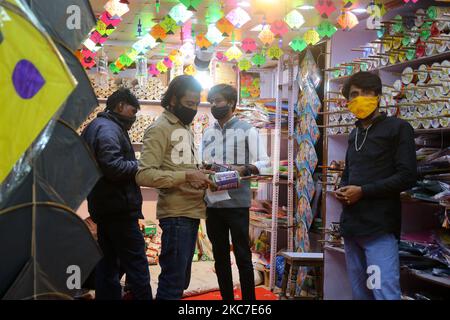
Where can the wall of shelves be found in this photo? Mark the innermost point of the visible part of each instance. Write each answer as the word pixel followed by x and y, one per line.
pixel 416 215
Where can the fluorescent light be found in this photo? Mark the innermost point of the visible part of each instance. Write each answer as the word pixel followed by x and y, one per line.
pixel 244 4
pixel 359 10
pixel 204 78
pixel 306 7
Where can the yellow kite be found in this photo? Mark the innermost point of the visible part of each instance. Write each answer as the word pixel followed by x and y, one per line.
pixel 34 83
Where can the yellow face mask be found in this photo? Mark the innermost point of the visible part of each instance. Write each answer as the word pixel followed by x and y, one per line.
pixel 362 106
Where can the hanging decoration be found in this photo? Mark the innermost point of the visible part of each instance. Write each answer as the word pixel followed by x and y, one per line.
pixel 266 36
pixel 169 25
pixel 294 19
pixel 311 37
pixel 248 45
pixel 325 8
pixel 106 25
pixel 168 62
pixel 221 57
pixel 298 44
pixel 214 35
pixel 279 28
pixel 180 14
pixel 189 70
pixel 238 17
pixel 214 13
pixel 348 3
pixel 347 20
pixel 141 70
pixel 157 6
pixel 233 53
pixel 225 27
pixel 161 67
pixel 116 8
pixel 153 70
pixel 326 29
pixel 144 44
pixel 139 28
pixel 376 9
pixel 244 65
pixel 191 5
pixel 158 33
pixel 274 53
pixel 258 59
pixel 202 42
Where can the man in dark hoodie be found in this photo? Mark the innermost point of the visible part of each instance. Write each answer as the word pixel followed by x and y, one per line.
pixel 115 202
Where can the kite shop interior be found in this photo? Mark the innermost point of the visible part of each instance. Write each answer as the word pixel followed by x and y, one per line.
pixel 288 63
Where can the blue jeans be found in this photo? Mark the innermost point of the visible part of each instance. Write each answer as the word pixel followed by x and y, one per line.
pixel 179 236
pixel 365 256
pixel 123 249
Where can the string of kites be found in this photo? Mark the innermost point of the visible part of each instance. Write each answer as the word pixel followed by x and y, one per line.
pixel 220 26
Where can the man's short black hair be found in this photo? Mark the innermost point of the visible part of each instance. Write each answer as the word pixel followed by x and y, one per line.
pixel 227 91
pixel 121 95
pixel 363 80
pixel 178 87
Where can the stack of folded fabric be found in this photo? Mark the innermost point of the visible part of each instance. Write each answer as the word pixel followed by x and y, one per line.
pixel 428 251
pixel 261 214
pixel 253 113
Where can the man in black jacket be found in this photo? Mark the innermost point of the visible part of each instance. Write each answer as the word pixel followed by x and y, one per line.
pixel 380 164
pixel 115 202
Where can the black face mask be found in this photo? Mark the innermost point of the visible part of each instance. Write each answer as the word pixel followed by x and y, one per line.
pixel 220 112
pixel 185 114
pixel 127 122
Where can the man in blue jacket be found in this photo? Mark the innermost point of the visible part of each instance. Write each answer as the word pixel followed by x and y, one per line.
pixel 115 202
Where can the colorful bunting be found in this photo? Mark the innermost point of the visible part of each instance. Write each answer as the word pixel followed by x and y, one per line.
pixel 233 53
pixel 238 17
pixel 214 35
pixel 107 19
pixel 153 70
pixel 161 67
pixel 274 53
pixel 189 70
pixel 347 20
pixel 191 5
pixel 168 62
pixel 225 27
pixel 279 28
pixel 158 33
pixel 258 59
pixel 144 44
pixel 116 8
pixel 311 37
pixel 180 14
pixel 244 65
pixel 214 13
pixel 202 42
pixel 325 8
pixel 266 36
pixel 249 45
pixel 298 44
pixel 169 25
pixel 221 57
pixel 326 29
pixel 294 19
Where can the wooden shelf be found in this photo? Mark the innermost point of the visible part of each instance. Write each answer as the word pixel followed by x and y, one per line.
pixel 334 249
pixel 442 281
pixel 398 67
pixel 416 131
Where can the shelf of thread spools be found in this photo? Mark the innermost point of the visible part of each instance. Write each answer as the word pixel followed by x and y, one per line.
pixel 401 42
pixel 421 96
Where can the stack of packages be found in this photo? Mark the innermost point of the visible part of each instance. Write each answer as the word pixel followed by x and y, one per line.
pixel 433 167
pixel 270 108
pixel 152 239
pixel 307 135
pixel 253 113
pixel 261 220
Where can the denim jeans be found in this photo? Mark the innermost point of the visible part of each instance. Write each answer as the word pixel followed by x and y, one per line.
pixel 179 236
pixel 123 249
pixel 365 256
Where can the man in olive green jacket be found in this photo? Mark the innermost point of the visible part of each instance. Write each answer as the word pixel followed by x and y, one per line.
pixel 169 163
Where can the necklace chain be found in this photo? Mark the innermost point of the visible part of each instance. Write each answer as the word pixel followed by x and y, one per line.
pixel 365 137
